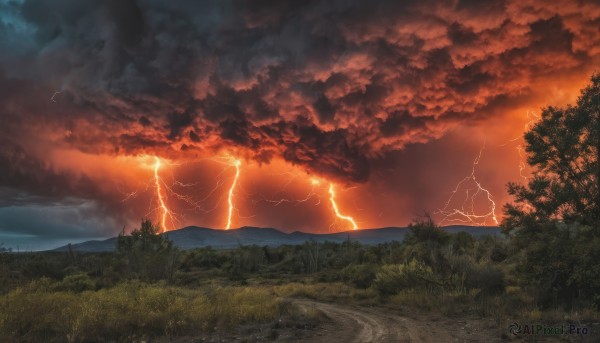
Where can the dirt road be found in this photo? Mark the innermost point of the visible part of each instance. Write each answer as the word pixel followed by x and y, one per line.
pixel 364 324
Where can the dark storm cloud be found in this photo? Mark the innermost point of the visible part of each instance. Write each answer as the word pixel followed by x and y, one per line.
pixel 28 173
pixel 27 179
pixel 81 220
pixel 331 86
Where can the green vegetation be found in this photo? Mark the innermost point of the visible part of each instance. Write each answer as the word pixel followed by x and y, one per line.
pixel 555 221
pixel 148 288
pixel 146 254
pixel 50 312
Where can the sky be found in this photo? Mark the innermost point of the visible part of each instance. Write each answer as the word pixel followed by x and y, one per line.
pixel 334 115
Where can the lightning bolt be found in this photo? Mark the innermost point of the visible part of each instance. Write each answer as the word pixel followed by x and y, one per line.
pixel 532 118
pixel 161 201
pixel 165 213
pixel 314 184
pixel 468 215
pixel 54 95
pixel 522 164
pixel 236 163
pixel 163 191
pixel 337 211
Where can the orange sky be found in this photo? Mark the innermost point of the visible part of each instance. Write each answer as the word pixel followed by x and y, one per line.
pixel 391 103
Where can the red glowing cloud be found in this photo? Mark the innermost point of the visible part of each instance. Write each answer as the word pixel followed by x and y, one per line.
pixel 389 103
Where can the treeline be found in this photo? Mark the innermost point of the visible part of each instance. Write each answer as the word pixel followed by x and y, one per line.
pixel 492 276
pixel 428 259
pixel 431 254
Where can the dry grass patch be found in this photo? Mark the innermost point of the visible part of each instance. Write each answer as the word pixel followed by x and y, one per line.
pixel 129 312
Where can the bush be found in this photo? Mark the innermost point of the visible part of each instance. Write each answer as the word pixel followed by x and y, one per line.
pixel 466 275
pixel 488 278
pixel 462 243
pixel 560 262
pixel 395 277
pixel 499 253
pixel 427 243
pixel 75 283
pixel 361 275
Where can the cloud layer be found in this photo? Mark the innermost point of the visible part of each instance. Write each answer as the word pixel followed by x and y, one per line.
pixel 333 87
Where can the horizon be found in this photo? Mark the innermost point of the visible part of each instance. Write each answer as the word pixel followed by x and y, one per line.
pixel 51 245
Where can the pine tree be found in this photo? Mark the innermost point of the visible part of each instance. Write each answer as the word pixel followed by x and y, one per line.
pixel 555 220
pixel 563 148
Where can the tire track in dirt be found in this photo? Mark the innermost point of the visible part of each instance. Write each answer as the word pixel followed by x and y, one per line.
pixel 365 324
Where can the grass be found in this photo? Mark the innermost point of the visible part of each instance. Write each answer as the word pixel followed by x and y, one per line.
pixel 511 305
pixel 330 292
pixel 92 303
pixel 129 312
pixel 71 311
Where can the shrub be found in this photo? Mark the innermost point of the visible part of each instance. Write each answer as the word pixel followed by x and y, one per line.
pixel 488 278
pixel 466 275
pixel 560 262
pixel 499 253
pixel 427 243
pixel 361 275
pixel 75 283
pixel 395 277
pixel 462 243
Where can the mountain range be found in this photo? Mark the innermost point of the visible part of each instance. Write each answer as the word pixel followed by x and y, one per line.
pixel 196 237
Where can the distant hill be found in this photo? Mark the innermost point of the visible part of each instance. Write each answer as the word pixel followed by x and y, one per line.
pixel 196 237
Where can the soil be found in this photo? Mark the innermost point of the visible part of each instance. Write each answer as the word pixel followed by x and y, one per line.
pixel 319 322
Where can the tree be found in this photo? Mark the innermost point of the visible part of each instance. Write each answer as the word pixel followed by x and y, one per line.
pixel 426 242
pixel 563 149
pixel 555 220
pixel 147 253
pixel 146 239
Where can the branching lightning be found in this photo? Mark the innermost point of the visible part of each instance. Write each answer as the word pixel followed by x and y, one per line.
pixel 522 158
pixel 236 163
pixel 337 211
pixel 166 217
pixel 467 213
pixel 532 119
pixel 314 193
pixel 522 164
pixel 54 95
pixel 163 191
pixel 159 196
pixel 311 194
